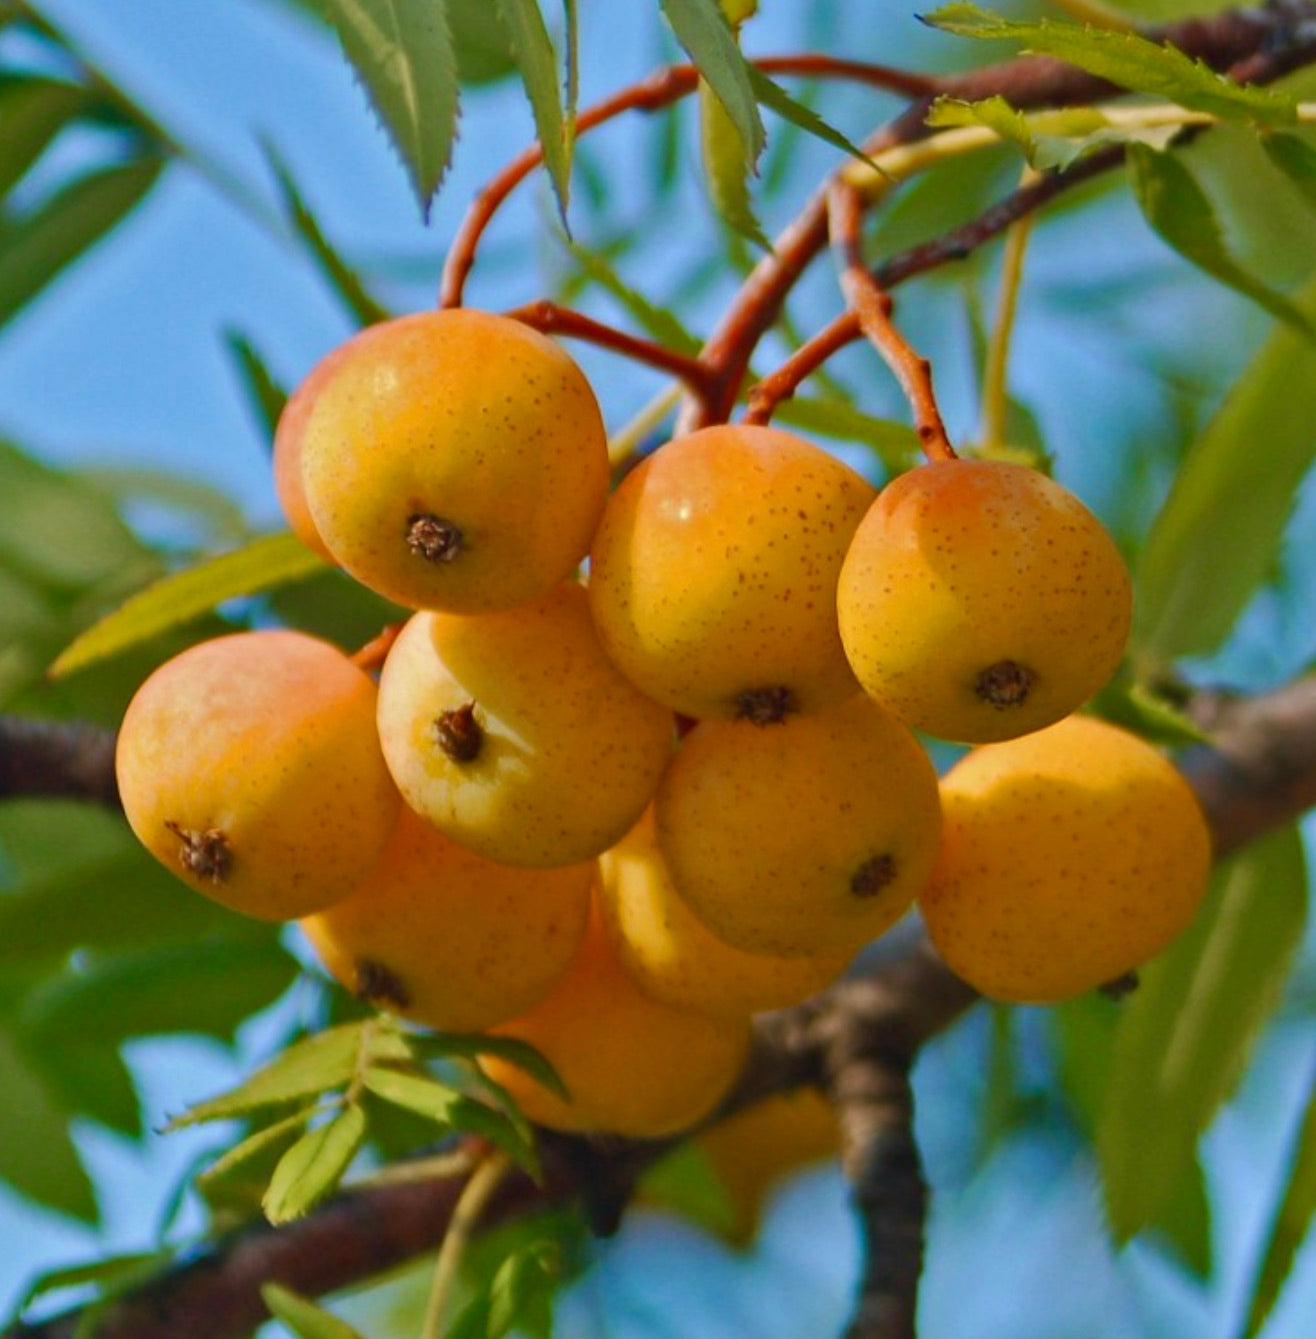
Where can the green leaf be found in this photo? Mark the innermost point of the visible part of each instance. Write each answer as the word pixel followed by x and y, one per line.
pixel 106 1274
pixel 1184 1222
pixel 685 1182
pixel 403 53
pixel 483 53
pixel 1296 159
pixel 1185 1034
pixel 702 29
pixel 343 281
pixel 1216 538
pixel 37 1156
pixel 90 1079
pixel 264 564
pixel 1180 212
pixel 302 1316
pixel 237 1162
pixel 36 248
pixel 773 96
pixel 726 168
pixel 533 49
pixel 1291 1221
pixel 894 444
pixel 33 111
pixel 1128 60
pixel 312 1168
pixel 1139 707
pixel 308 1067
pixel 455 1045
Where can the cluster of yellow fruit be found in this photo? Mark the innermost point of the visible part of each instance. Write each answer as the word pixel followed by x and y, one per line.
pixel 616 819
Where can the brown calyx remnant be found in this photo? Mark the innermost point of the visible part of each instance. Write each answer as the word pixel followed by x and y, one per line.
pixel 205 854
pixel 459 733
pixel 376 984
pixel 1005 684
pixel 873 875
pixel 765 706
pixel 1121 986
pixel 432 538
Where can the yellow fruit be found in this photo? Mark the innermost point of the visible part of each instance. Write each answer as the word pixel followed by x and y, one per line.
pixel 1069 857
pixel 632 1066
pixel 250 766
pixel 516 735
pixel 809 837
pixel 455 460
pixel 441 936
pixel 980 600
pixel 671 955
pixel 713 573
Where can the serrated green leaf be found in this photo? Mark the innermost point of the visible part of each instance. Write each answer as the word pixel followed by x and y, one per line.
pixel 726 169
pixel 33 111
pixel 1128 60
pixel 311 1169
pixel 1296 159
pixel 1137 706
pixel 262 565
pixel 703 31
pixel 302 1316
pixel 402 51
pixel 1184 1222
pixel 1291 1220
pixel 1185 1034
pixel 37 1156
pixel 42 243
pixel 1180 212
pixel 537 61
pixel 455 1045
pixel 309 1067
pixel 237 1160
pixel 343 281
pixel 1217 535
pixel 774 97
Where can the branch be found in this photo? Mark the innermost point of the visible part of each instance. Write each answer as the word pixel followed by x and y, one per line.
pixel 57 759
pixel 857 1040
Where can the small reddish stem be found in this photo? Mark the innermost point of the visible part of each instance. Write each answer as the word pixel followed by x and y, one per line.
pixel 373 654
pixel 554 319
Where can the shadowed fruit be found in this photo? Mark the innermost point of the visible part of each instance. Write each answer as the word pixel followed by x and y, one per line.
pixel 454 460
pixel 441 936
pixel 713 573
pixel 669 952
pixel 516 735
pixel 1068 858
pixel 808 838
pixel 632 1066
pixel 250 766
pixel 980 600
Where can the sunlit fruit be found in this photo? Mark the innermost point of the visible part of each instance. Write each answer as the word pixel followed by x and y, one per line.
pixel 980 600
pixel 446 938
pixel 454 460
pixel 1069 857
pixel 250 766
pixel 516 735
pixel 807 838
pixel 713 573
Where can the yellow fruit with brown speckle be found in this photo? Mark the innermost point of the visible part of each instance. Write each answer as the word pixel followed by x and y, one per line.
pixel 250 766
pixel 514 733
pixel 980 600
pixel 446 938
pixel 1068 858
pixel 807 837
pixel 713 573
pixel 454 460
pixel 631 1066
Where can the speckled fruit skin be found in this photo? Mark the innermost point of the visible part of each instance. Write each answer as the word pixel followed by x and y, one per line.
pixel 268 740
pixel 808 837
pixel 446 938
pixel 669 952
pixel 570 752
pixel 964 568
pixel 714 570
pixel 464 416
pixel 632 1066
pixel 1069 857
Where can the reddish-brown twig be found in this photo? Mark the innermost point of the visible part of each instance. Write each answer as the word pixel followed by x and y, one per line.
pixel 373 654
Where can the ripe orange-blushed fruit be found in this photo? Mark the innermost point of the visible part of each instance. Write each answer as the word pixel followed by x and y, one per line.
pixel 713 573
pixel 1068 858
pixel 516 735
pixel 980 600
pixel 250 766
pixel 455 460
pixel 631 1065
pixel 446 938
pixel 808 837
pixel 673 956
